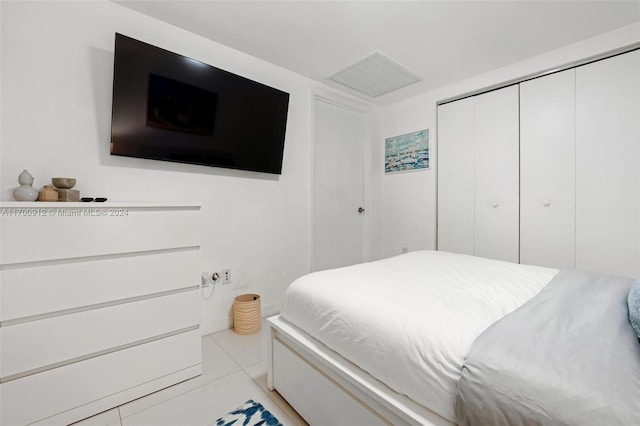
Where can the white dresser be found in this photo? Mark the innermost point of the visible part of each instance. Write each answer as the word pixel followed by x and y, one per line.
pixel 99 305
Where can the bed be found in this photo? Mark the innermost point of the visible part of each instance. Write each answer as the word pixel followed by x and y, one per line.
pixel 437 338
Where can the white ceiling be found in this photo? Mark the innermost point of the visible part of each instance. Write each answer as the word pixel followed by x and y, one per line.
pixel 440 41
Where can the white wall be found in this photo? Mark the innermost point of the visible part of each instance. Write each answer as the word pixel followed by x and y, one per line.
pixel 406 202
pixel 57 68
pixel 56 76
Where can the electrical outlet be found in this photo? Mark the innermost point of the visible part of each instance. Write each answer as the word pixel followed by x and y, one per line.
pixel 210 279
pixel 205 280
pixel 226 276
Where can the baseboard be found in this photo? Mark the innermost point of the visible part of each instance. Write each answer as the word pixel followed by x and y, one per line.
pixel 215 325
pixel 226 322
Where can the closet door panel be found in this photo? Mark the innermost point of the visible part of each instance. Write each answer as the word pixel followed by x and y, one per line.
pixel 608 165
pixel 547 170
pixel 496 174
pixel 455 176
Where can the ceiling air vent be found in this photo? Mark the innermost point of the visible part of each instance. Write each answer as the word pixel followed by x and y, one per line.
pixel 375 75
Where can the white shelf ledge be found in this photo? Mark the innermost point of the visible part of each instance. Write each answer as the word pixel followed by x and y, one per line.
pixel 96 205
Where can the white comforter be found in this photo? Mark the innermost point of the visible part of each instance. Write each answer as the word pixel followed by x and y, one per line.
pixel 410 320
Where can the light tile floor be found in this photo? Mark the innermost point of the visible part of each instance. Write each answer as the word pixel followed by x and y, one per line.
pixel 234 370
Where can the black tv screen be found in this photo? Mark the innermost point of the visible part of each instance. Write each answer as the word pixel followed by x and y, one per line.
pixel 172 108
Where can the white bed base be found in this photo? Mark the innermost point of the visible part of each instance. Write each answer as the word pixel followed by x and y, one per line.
pixel 326 389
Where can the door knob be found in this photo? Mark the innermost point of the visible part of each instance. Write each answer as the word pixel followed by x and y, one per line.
pixel 495 204
pixel 360 209
pixel 546 203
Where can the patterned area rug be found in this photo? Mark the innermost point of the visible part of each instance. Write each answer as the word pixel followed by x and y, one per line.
pixel 250 413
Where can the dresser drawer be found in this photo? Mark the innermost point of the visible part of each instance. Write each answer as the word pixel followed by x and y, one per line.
pixel 54 391
pixel 57 235
pixel 46 343
pixel 54 286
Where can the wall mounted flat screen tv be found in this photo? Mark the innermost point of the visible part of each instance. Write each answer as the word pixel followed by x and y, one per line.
pixel 172 108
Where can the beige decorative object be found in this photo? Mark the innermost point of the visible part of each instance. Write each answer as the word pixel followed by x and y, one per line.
pixel 63 183
pixel 246 314
pixel 68 195
pixel 63 187
pixel 47 193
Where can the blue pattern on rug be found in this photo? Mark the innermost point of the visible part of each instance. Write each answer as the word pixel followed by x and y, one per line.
pixel 250 413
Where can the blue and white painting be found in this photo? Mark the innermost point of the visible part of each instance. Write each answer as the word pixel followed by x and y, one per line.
pixel 407 152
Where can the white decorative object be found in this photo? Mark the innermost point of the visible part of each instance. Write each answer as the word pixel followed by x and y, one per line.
pixel 25 192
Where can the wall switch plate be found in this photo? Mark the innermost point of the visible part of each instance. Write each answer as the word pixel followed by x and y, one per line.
pixel 226 276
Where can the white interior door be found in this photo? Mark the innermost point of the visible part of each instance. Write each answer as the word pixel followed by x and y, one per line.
pixel 497 174
pixel 547 170
pixel 338 186
pixel 608 165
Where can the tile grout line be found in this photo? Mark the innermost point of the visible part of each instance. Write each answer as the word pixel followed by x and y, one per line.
pixel 234 359
pixel 265 393
pixel 204 383
pixel 223 350
pixel 268 394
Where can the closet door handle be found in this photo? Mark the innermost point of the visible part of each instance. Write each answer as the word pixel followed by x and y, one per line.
pixel 546 203
pixel 495 204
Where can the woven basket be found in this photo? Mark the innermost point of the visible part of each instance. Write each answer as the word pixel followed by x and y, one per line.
pixel 246 314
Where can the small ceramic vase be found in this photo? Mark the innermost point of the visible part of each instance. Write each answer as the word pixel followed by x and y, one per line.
pixel 25 192
pixel 47 193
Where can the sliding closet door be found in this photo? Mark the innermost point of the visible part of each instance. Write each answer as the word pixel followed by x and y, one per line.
pixel 456 176
pixel 547 170
pixel 496 174
pixel 478 175
pixel 608 165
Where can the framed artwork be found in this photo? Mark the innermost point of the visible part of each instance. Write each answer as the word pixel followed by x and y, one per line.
pixel 407 152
